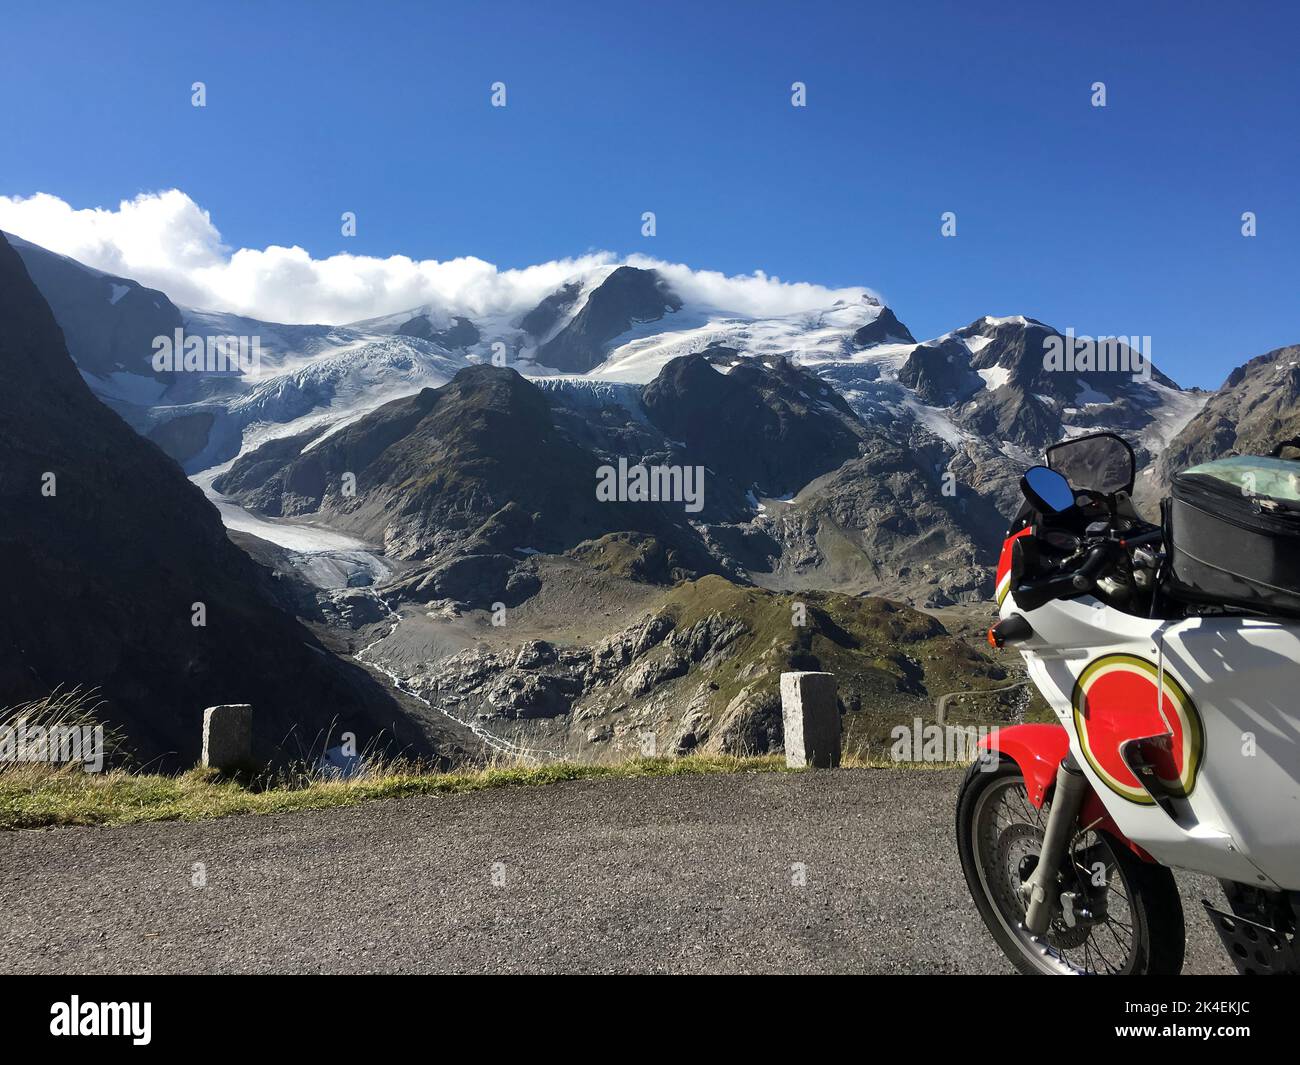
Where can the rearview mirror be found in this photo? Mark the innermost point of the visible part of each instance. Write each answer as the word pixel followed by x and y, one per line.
pixel 1047 490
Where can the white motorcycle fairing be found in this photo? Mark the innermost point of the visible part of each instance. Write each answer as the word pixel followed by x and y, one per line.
pixel 1222 793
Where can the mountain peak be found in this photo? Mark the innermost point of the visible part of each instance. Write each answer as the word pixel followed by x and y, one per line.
pixel 628 296
pixel 883 330
pixel 109 323
pixel 460 333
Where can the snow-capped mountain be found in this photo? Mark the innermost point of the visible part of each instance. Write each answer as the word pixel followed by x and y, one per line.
pixel 109 322
pixel 339 384
pixel 979 403
pixel 404 472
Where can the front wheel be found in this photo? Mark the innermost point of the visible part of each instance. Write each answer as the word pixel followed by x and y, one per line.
pixel 1115 913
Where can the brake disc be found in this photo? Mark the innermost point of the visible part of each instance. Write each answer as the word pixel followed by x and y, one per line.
pixel 1015 857
pixel 1018 850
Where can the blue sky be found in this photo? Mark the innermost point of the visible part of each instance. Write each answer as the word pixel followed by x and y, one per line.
pixel 1117 220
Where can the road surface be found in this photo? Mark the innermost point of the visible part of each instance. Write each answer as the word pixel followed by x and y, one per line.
pixel 852 871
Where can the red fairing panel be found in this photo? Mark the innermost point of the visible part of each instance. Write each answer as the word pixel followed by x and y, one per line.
pixel 1003 585
pixel 1039 750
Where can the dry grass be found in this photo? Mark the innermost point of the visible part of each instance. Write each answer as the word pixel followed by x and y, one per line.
pixel 35 797
pixel 72 710
pixel 44 794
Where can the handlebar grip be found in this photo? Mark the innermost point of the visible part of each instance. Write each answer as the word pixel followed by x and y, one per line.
pixel 1092 565
pixel 1034 594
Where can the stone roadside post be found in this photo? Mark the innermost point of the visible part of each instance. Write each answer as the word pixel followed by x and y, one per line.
pixel 228 737
pixel 811 713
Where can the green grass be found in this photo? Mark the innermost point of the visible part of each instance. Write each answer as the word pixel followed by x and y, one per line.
pixel 890 660
pixel 44 795
pixel 32 797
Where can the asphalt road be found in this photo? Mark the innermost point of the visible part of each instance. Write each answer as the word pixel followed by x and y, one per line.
pixel 684 874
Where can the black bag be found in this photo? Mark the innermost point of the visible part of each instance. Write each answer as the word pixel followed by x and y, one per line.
pixel 1232 534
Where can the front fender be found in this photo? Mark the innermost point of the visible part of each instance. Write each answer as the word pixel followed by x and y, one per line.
pixel 1039 750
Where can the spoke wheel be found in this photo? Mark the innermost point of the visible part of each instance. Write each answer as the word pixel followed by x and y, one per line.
pixel 1113 913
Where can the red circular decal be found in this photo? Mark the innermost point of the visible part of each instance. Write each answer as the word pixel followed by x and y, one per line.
pixel 1119 698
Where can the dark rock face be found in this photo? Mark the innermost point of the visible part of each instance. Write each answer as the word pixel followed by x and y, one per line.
pixel 1040 393
pixel 185 436
pixel 478 465
pixel 940 374
pixel 109 323
pixel 880 523
pixel 108 549
pixel 542 318
pixel 884 329
pixel 476 581
pixel 462 333
pixel 1012 414
pixel 623 299
pixel 764 423
pixel 1016 345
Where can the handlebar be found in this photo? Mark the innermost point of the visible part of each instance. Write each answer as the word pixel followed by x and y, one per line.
pixel 1032 594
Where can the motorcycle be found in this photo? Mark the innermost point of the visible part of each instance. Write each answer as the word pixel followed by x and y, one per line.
pixel 1170 656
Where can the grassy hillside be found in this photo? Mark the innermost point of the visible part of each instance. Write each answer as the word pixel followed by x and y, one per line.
pixel 891 662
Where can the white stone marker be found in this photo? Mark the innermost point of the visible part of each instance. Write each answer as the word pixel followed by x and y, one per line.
pixel 811 715
pixel 228 737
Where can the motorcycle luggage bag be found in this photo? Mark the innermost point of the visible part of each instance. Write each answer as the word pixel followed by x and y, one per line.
pixel 1232 535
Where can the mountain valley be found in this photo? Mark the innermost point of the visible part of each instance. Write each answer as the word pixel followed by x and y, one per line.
pixel 418 493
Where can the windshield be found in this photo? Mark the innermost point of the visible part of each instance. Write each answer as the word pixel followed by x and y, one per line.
pixel 1100 462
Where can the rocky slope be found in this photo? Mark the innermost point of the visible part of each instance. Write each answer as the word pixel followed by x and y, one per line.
pixel 477 466
pixel 1257 408
pixel 760 423
pixel 694 667
pixel 110 556
pixel 490 467
pixel 109 323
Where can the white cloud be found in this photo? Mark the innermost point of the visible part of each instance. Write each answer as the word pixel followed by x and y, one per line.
pixel 166 241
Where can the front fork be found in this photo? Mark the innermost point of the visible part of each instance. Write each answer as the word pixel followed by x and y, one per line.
pixel 1041 889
